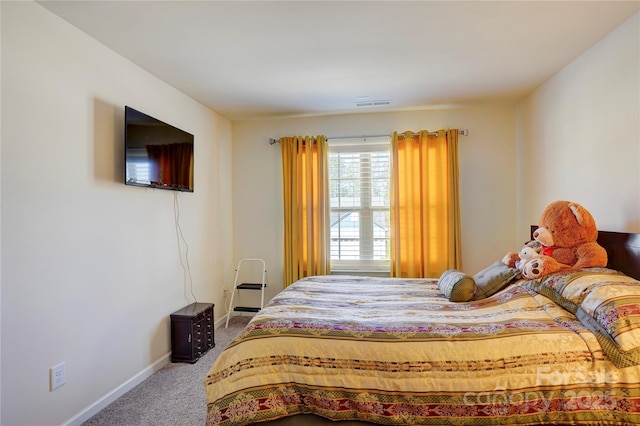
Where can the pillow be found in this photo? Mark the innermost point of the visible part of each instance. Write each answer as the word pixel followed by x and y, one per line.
pixel 493 279
pixel 612 311
pixel 569 288
pixel 456 286
pixel 606 302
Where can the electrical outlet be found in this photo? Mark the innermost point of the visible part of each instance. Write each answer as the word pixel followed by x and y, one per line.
pixel 225 293
pixel 58 376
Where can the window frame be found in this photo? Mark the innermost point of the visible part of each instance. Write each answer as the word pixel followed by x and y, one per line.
pixel 366 229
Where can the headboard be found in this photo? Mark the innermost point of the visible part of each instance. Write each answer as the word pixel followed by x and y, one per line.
pixel 623 250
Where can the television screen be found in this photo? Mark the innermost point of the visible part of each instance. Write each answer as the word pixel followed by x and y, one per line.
pixel 157 155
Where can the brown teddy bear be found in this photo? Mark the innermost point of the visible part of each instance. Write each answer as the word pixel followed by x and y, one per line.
pixel 568 234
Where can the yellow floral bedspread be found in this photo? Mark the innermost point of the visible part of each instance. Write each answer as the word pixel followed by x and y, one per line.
pixel 395 351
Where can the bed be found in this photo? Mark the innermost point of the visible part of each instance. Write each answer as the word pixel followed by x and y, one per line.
pixel 564 349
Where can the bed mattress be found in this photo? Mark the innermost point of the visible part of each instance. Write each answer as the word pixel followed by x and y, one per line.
pixel 396 351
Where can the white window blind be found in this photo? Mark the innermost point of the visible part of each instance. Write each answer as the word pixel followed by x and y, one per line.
pixel 359 180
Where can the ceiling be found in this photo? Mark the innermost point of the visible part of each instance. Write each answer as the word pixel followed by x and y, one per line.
pixel 246 59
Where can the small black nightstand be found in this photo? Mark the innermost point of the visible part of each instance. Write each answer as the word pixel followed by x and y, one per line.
pixel 192 332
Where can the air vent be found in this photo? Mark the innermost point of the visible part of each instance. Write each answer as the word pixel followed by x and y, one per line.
pixel 373 103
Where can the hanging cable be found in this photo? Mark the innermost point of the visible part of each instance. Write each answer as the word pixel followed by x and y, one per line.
pixel 181 240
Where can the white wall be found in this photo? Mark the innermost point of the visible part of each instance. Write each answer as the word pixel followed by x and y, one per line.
pixel 90 267
pixel 487 170
pixel 579 135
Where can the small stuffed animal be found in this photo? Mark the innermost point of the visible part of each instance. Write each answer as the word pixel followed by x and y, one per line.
pixel 525 254
pixel 567 233
pixel 530 250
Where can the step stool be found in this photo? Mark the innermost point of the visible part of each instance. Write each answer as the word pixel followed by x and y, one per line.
pixel 248 286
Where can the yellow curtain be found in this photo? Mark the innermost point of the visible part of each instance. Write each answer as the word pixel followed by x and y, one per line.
pixel 306 207
pixel 425 212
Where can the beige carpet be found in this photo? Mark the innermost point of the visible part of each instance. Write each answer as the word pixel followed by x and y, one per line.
pixel 174 396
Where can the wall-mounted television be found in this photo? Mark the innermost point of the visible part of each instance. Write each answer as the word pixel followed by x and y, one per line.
pixel 156 154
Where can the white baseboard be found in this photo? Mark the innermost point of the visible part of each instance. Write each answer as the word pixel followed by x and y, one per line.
pixel 116 393
pixel 222 321
pixel 134 381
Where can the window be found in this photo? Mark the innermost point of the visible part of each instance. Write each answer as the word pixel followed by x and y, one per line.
pixel 359 182
pixel 138 166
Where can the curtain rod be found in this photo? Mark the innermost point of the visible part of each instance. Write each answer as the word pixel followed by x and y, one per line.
pixel 463 132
